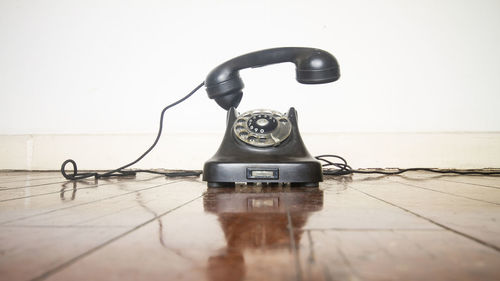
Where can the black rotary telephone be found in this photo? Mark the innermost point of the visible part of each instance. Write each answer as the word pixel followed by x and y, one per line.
pixel 260 145
pixel 264 145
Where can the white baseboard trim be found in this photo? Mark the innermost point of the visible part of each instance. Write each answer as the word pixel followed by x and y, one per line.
pixel 190 151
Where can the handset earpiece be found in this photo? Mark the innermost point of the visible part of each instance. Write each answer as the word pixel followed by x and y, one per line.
pixel 313 66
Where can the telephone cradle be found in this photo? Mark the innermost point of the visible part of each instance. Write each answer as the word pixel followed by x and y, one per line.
pixel 262 146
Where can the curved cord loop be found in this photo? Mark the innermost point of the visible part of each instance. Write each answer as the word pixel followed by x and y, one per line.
pixel 119 171
pixel 75 175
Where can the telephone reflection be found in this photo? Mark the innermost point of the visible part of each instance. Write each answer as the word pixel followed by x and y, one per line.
pixel 257 220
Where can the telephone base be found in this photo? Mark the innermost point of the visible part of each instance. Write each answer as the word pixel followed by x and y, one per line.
pixel 237 161
pixel 296 174
pixel 220 184
pixel 272 184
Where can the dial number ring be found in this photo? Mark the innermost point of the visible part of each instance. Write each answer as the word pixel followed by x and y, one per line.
pixel 262 128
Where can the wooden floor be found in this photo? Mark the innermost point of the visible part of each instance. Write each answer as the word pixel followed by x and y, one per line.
pixel 420 226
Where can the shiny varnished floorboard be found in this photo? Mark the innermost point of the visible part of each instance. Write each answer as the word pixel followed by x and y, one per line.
pixel 420 226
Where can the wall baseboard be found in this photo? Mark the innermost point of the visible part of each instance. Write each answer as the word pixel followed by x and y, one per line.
pixel 190 151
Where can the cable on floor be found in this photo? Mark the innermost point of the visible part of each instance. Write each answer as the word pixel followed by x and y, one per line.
pixel 119 172
pixel 342 168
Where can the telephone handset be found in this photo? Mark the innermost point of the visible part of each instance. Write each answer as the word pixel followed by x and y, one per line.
pixel 264 145
pixel 313 66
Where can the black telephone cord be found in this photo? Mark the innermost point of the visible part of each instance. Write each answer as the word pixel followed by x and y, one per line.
pixel 119 171
pixel 342 168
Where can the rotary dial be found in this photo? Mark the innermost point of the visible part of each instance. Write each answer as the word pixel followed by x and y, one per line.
pixel 262 128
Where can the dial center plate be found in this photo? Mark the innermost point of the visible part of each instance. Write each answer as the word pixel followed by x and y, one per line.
pixel 262 122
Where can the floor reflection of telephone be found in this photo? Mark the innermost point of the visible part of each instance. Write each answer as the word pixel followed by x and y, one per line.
pixel 264 146
pixel 258 224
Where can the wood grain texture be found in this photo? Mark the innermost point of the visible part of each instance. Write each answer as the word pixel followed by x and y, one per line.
pixel 366 227
pixel 464 215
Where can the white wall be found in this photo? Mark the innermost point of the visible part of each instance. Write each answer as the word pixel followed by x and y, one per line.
pixel 110 66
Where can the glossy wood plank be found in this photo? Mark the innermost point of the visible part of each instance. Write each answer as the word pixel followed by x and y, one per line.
pixel 226 236
pixel 31 252
pixel 64 235
pixel 65 187
pixel 27 179
pixel 490 181
pixel 56 197
pixel 458 189
pixel 13 174
pixel 132 207
pixel 364 227
pixel 395 255
pixel 475 219
pixel 28 182
pixel 345 208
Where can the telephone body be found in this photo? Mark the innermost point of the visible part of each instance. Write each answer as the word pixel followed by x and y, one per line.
pixel 263 145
